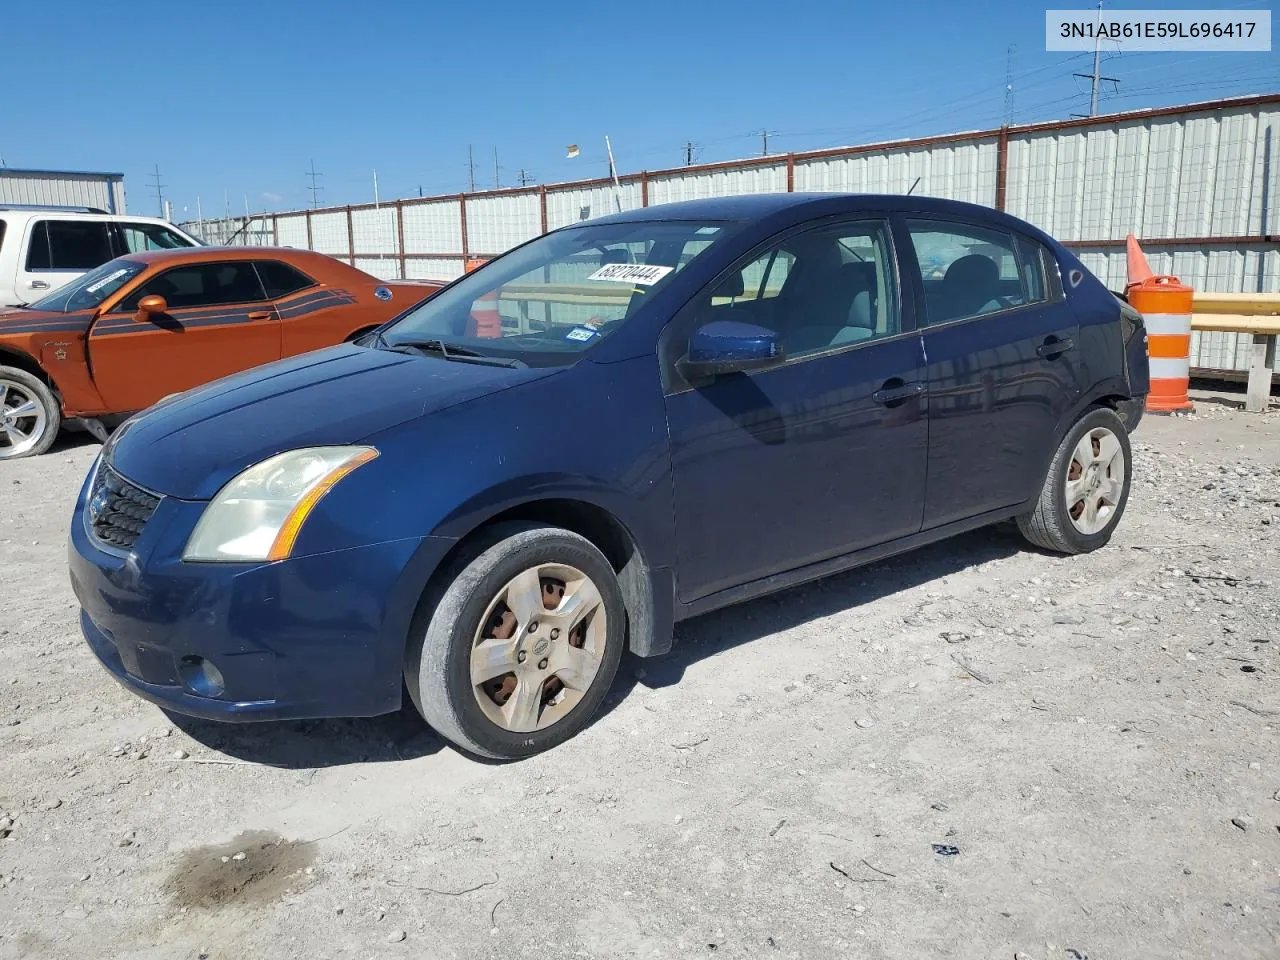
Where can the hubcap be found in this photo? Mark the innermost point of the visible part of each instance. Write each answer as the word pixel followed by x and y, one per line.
pixel 1095 480
pixel 538 647
pixel 22 419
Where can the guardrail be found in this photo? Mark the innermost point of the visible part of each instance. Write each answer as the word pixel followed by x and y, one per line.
pixel 1253 313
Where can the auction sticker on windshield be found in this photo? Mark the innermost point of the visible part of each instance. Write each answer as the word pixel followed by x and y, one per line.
pixel 642 273
pixel 114 275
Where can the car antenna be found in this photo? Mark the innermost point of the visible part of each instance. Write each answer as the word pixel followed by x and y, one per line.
pixel 913 186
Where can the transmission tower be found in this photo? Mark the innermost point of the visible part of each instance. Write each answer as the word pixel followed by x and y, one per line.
pixel 315 188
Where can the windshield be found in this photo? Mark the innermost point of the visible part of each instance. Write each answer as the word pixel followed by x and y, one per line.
pixel 87 291
pixel 560 295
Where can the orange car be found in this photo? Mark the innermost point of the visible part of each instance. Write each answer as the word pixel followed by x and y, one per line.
pixel 146 325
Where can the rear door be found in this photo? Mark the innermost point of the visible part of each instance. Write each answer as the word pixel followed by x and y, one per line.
pixel 219 321
pixel 58 251
pixel 1002 363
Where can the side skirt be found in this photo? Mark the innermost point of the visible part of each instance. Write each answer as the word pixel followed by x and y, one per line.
pixel 848 561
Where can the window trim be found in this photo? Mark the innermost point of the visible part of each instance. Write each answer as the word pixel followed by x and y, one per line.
pixel 673 384
pixel 1016 235
pixel 119 305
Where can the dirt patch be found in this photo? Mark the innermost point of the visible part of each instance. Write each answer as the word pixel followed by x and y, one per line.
pixel 256 867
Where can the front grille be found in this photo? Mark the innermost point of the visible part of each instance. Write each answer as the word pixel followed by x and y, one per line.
pixel 118 511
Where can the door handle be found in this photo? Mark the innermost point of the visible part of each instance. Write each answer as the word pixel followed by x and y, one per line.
pixel 895 392
pixel 260 315
pixel 1053 347
pixel 39 285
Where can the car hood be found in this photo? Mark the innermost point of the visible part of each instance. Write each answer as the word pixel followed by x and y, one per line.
pixel 16 320
pixel 191 445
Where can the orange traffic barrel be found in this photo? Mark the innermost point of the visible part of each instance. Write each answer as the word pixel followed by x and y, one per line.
pixel 1165 305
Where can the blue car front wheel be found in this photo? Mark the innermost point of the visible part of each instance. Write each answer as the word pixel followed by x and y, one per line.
pixel 517 643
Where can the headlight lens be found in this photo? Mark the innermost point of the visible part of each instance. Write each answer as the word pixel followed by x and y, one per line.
pixel 257 516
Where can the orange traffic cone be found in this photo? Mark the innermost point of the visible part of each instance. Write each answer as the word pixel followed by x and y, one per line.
pixel 1165 305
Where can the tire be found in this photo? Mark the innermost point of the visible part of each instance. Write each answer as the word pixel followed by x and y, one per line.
pixel 476 589
pixel 1088 521
pixel 33 434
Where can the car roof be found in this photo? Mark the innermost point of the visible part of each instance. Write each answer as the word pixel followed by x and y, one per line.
pixel 760 206
pixel 205 254
pixel 17 211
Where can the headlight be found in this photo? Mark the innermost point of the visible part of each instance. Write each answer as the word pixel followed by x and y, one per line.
pixel 257 516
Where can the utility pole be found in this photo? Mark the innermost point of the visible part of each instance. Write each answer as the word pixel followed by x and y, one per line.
pixel 526 178
pixel 688 154
pixel 1008 87
pixel 471 170
pixel 1095 78
pixel 314 188
pixel 764 143
pixel 375 189
pixel 496 184
pixel 159 187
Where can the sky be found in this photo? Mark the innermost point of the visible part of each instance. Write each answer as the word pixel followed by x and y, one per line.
pixel 233 100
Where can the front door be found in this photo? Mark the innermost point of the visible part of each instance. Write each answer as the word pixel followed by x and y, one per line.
pixel 1002 365
pixel 820 455
pixel 58 251
pixel 218 322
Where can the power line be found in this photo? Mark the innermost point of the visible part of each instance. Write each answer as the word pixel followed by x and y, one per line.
pixel 159 188
pixel 314 188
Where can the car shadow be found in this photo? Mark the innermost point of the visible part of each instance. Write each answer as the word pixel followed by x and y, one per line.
pixel 310 744
pixel 721 630
pixel 69 440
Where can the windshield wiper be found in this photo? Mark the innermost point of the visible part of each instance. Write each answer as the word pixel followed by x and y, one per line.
pixel 450 351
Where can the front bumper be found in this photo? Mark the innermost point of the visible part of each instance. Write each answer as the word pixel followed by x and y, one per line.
pixel 315 636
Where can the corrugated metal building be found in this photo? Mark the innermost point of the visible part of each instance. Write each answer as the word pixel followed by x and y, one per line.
pixel 63 188
pixel 1199 185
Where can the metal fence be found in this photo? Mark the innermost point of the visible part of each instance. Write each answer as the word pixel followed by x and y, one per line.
pixel 1197 183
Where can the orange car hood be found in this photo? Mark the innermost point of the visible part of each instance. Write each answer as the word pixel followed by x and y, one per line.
pixel 21 321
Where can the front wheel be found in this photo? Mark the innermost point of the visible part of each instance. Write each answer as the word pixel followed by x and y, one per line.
pixel 29 415
pixel 1086 489
pixel 515 650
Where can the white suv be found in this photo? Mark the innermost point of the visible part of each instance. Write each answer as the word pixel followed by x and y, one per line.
pixel 41 248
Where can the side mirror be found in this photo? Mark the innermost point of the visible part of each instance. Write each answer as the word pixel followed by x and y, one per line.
pixel 727 346
pixel 147 306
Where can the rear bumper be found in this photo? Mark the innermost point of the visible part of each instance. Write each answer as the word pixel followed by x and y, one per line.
pixel 316 636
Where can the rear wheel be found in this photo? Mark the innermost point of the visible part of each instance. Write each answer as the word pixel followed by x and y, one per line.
pixel 1086 489
pixel 516 650
pixel 29 415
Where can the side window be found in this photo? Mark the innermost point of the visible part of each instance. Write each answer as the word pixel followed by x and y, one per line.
pixel 200 285
pixel 820 290
pixel 280 279
pixel 969 270
pixel 139 237
pixel 68 245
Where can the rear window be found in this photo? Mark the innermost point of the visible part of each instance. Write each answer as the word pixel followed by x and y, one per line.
pixel 68 245
pixel 280 279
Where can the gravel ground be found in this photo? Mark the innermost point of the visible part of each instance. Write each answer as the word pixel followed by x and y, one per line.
pixel 810 775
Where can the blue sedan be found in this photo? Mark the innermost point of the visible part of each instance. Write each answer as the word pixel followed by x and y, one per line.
pixel 616 426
